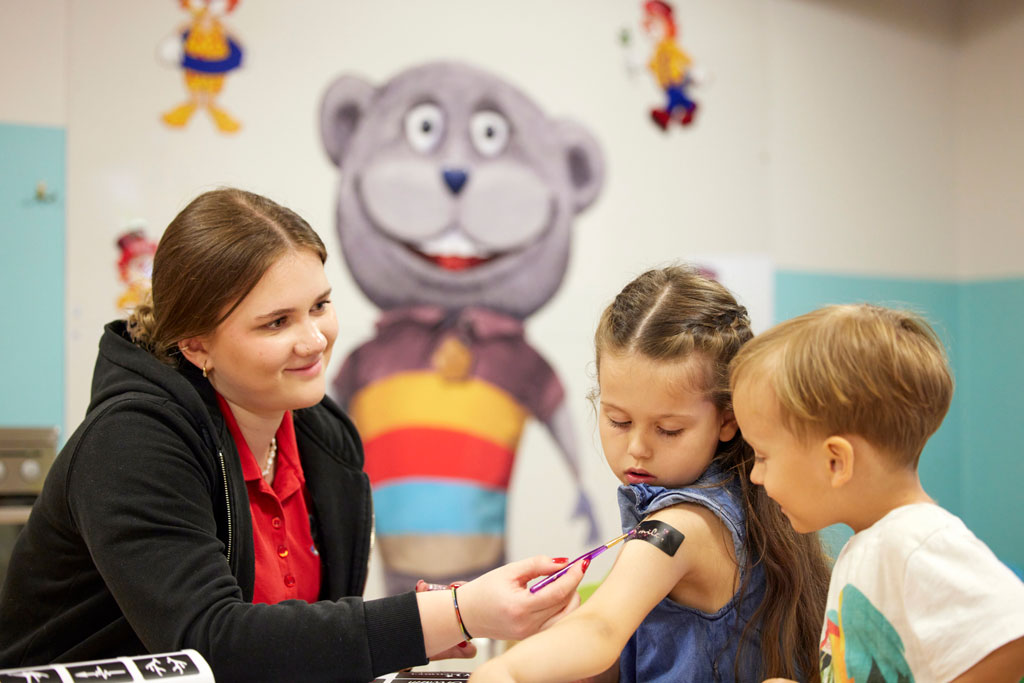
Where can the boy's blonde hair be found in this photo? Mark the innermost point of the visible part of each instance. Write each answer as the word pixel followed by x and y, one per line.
pixel 878 373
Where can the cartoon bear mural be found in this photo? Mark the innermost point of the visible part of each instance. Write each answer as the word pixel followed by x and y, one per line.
pixel 455 205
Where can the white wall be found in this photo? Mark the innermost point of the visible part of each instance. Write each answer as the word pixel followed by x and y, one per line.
pixel 33 62
pixel 988 102
pixel 861 144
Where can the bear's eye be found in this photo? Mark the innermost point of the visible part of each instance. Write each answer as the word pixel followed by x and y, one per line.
pixel 424 127
pixel 489 131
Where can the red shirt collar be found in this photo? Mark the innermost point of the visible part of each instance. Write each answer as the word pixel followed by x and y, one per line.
pixel 288 476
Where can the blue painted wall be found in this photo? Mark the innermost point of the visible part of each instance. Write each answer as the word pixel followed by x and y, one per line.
pixel 31 276
pixel 991 382
pixel 973 465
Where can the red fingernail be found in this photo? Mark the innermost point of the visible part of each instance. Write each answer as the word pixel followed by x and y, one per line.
pixel 586 563
pixel 560 560
pixel 463 644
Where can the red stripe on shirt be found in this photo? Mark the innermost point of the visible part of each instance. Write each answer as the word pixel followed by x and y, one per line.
pixel 438 454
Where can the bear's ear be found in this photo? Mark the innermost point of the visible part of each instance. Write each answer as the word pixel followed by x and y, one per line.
pixel 584 162
pixel 343 105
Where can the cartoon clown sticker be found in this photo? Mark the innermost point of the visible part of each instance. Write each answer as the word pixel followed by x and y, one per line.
pixel 671 66
pixel 206 52
pixel 134 266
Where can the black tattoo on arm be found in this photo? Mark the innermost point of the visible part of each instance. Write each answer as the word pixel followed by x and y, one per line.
pixel 662 536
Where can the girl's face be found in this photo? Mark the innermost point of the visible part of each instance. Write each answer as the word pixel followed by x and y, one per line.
pixel 656 428
pixel 271 353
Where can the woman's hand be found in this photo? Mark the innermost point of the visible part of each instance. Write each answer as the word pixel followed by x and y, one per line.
pixel 499 605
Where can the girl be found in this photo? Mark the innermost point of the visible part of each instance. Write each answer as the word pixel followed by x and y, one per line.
pixel 738 594
pixel 212 474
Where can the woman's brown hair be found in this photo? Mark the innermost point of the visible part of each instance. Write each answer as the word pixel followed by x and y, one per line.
pixel 671 314
pixel 209 258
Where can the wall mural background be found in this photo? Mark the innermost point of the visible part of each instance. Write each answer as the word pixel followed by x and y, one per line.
pixel 853 151
pixel 456 200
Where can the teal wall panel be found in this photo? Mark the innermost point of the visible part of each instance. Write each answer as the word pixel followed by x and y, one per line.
pixel 32 276
pixel 990 385
pixel 972 465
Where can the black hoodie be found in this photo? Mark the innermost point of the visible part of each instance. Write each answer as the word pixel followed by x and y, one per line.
pixel 141 541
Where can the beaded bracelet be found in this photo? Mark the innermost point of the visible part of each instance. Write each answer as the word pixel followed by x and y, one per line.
pixel 458 615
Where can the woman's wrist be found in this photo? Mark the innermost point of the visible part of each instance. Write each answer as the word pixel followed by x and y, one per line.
pixel 442 614
pixel 458 614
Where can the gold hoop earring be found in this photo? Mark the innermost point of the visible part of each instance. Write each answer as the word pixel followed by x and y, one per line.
pixel 204 369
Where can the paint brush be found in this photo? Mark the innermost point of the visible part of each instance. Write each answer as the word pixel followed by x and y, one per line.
pixel 585 556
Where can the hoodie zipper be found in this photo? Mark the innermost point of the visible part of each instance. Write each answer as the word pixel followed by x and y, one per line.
pixel 227 501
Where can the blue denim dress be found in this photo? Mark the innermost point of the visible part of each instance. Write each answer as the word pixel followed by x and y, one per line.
pixel 677 644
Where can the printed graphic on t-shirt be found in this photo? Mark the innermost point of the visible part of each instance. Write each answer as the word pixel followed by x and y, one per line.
pixel 860 644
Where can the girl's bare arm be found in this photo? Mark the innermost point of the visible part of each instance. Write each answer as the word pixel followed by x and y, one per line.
pixel 588 642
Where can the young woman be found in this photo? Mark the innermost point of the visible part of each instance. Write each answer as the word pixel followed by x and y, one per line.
pixel 214 499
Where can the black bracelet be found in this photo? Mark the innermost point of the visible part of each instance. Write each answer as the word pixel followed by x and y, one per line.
pixel 458 615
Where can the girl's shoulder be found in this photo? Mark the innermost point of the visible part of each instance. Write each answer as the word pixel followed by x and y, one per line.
pixel 714 490
pixel 697 523
pixel 703 509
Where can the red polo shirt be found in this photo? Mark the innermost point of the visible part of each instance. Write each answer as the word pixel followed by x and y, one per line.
pixel 287 562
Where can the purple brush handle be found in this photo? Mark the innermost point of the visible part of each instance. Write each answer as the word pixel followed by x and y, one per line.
pixel 585 556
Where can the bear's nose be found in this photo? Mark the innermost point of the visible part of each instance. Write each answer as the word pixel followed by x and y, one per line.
pixel 455 178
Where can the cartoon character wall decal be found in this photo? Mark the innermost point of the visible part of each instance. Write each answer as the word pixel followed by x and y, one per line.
pixel 43 194
pixel 456 199
pixel 670 65
pixel 206 52
pixel 134 266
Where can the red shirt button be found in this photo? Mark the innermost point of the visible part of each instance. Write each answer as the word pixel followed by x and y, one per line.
pixel 276 522
pixel 289 580
pixel 282 551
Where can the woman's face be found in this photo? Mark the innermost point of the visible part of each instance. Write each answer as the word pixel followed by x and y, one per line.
pixel 271 353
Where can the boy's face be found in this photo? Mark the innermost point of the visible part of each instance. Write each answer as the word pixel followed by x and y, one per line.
pixel 793 472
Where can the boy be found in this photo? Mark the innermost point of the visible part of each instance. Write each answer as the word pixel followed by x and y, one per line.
pixel 837 405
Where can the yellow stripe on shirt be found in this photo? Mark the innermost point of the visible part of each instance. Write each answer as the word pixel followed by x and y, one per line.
pixel 424 399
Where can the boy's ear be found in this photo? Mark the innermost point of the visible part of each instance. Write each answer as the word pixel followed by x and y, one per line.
pixel 729 427
pixel 194 349
pixel 840 454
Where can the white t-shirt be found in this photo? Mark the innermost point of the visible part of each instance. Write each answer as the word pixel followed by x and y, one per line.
pixel 917 597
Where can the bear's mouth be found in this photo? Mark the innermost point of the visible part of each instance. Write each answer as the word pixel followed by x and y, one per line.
pixel 451 251
pixel 450 261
